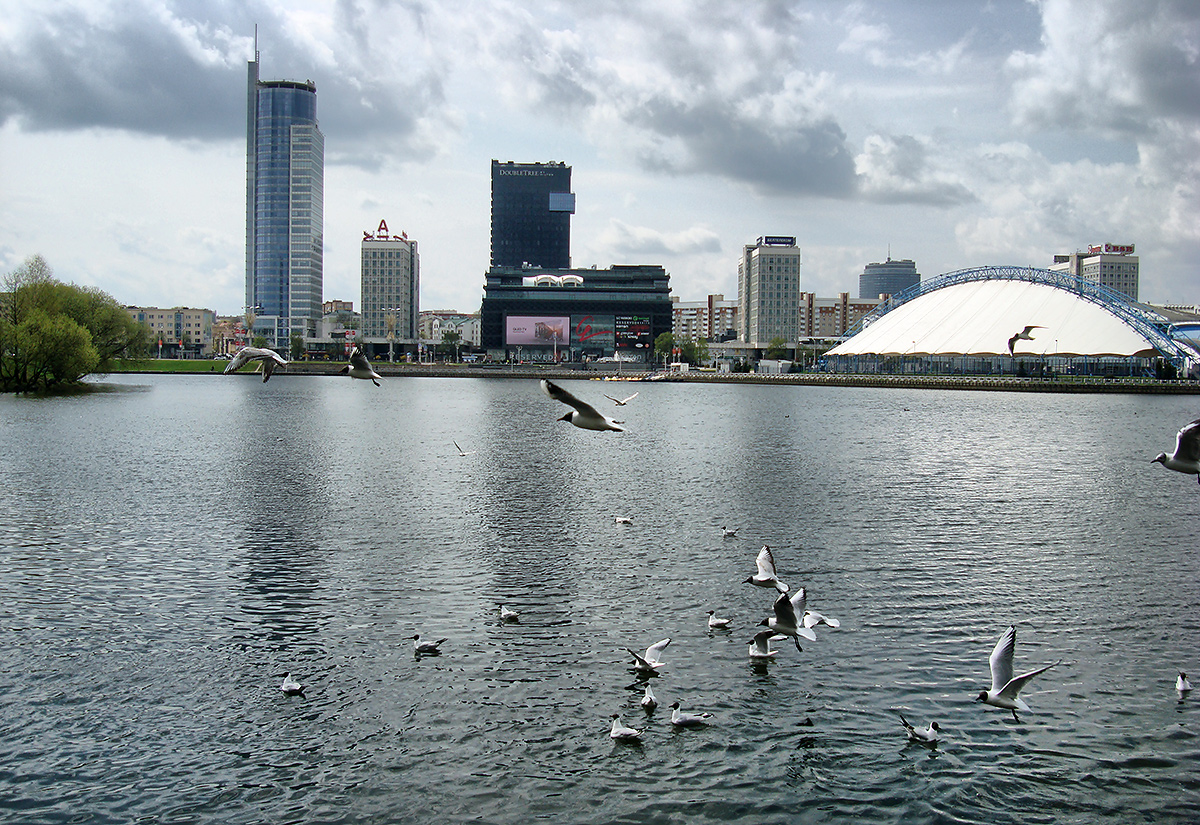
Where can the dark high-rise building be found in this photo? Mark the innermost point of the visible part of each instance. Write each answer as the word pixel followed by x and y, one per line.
pixel 285 196
pixel 532 206
pixel 887 278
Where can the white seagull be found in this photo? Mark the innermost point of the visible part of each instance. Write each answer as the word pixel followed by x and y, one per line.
pixel 584 415
pixel 813 618
pixel 269 359
pixel 1023 335
pixel 621 402
pixel 760 645
pixel 360 367
pixel 716 624
pixel 622 520
pixel 650 663
pixel 461 451
pixel 649 700
pixel 728 532
pixel 765 577
pixel 507 615
pixel 290 686
pixel 1186 458
pixel 426 648
pixel 1005 686
pixel 926 736
pixel 688 720
pixel 622 732
pixel 786 621
pixel 1182 684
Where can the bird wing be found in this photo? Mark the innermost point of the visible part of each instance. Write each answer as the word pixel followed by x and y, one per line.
pixel 615 401
pixel 559 394
pixel 1001 659
pixel 641 662
pixel 766 563
pixel 359 361
pixel 268 368
pixel 1014 685
pixel 1012 341
pixel 907 726
pixel 785 614
pixel 655 650
pixel 1187 442
pixel 238 361
pixel 630 398
pixel 762 640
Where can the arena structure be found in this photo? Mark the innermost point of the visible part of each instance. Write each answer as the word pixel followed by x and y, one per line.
pixel 975 321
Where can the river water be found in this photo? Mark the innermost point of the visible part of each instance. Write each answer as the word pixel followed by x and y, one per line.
pixel 173 545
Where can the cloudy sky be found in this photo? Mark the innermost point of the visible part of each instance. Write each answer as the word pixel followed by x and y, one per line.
pixel 954 133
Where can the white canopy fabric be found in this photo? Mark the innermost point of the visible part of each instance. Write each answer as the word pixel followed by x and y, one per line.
pixel 979 318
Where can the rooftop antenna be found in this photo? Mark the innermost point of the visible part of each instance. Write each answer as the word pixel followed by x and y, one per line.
pixel 889 245
pixel 255 42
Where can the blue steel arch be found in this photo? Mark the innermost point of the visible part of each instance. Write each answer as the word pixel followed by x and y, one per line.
pixel 1147 323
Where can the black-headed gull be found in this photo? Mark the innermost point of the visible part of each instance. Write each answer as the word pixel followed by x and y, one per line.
pixel 269 359
pixel 766 577
pixel 507 615
pixel 1182 684
pixel 1186 458
pixel 622 732
pixel 686 720
pixel 622 520
pixel 461 451
pixel 728 532
pixel 926 736
pixel 760 645
pixel 716 624
pixel 426 648
pixel 621 402
pixel 360 367
pixel 813 618
pixel 651 661
pixel 786 621
pixel 584 415
pixel 1023 335
pixel 649 700
pixel 1005 686
pixel 290 686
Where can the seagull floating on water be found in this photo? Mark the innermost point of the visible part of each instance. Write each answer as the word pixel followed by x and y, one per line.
pixel 1186 458
pixel 268 358
pixel 786 621
pixel 584 415
pixel 1023 335
pixel 688 720
pixel 729 532
pixel 290 686
pixel 1182 684
pixel 621 402
pixel 649 700
pixel 716 624
pixel 1005 686
pixel 507 615
pixel 926 736
pixel 461 451
pixel 426 648
pixel 765 577
pixel 360 367
pixel 760 645
pixel 622 520
pixel 622 732
pixel 650 663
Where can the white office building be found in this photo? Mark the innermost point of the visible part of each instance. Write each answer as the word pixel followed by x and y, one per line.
pixel 391 280
pixel 1107 264
pixel 769 290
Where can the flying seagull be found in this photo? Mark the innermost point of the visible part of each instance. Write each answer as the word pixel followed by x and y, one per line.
pixel 269 359
pixel 461 451
pixel 760 645
pixel 426 648
pixel 621 402
pixel 688 720
pixel 765 577
pixel 290 686
pixel 360 367
pixel 584 415
pixel 787 620
pixel 926 736
pixel 622 732
pixel 651 661
pixel 1005 686
pixel 1023 335
pixel 1186 458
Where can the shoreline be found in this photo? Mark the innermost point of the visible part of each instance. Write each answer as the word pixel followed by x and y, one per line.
pixel 981 383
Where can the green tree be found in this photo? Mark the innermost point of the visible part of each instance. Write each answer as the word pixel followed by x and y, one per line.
pixel 663 345
pixel 701 353
pixel 451 340
pixel 297 348
pixel 776 348
pixel 259 341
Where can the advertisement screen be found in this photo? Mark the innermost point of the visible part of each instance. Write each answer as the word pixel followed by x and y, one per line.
pixel 592 331
pixel 532 329
pixel 632 332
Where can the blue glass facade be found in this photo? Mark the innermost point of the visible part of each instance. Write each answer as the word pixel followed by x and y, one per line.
pixel 285 169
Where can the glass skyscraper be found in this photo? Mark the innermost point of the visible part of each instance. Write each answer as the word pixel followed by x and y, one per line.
pixel 285 194
pixel 532 206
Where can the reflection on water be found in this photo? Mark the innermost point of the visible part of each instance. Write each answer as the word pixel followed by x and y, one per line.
pixel 172 551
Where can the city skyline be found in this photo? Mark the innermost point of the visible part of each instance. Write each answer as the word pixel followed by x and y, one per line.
pixel 1000 134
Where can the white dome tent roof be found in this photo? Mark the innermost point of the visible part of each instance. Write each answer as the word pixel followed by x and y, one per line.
pixel 975 312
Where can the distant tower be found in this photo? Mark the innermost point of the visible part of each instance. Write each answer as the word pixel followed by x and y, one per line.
pixel 532 206
pixel 769 290
pixel 888 278
pixel 285 195
pixel 391 278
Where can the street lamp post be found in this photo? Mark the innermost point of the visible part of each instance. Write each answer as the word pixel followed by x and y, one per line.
pixel 390 318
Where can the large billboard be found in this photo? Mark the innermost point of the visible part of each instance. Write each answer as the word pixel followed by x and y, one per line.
pixel 590 331
pixel 521 330
pixel 633 332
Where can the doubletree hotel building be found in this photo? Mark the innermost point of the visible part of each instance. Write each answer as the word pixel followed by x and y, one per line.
pixel 534 314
